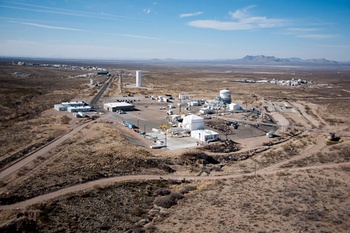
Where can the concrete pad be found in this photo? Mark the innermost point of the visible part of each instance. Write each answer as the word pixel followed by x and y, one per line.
pixel 176 143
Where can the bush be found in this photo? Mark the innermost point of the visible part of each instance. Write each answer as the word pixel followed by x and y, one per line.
pixel 187 189
pixel 168 200
pixel 162 192
pixel 65 120
pixel 198 155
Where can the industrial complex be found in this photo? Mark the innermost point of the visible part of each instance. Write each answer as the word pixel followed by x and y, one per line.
pixel 186 121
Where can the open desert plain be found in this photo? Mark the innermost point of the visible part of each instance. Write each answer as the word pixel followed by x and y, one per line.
pixel 281 162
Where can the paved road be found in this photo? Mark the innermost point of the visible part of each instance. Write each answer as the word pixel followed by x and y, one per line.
pixel 97 97
pixel 15 167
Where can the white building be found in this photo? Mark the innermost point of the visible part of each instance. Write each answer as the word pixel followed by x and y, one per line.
pixel 60 107
pixel 79 109
pixel 193 122
pixel 65 105
pixel 204 111
pixel 113 107
pixel 194 103
pixel 234 107
pixel 74 104
pixel 138 78
pixel 205 135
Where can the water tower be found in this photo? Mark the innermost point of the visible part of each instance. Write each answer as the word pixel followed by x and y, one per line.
pixel 225 96
pixel 138 78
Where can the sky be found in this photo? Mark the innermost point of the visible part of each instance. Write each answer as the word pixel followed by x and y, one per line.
pixel 181 29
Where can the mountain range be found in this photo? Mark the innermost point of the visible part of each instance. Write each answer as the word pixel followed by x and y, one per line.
pixel 262 59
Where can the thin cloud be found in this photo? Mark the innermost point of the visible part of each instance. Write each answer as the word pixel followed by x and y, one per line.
pixel 147 10
pixel 46 26
pixel 191 14
pixel 76 29
pixel 241 20
pixel 62 11
pixel 318 36
pixel 137 36
pixel 303 29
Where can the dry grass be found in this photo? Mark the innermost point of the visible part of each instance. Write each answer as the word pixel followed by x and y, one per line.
pixel 24 98
pixel 310 202
pixel 84 157
pixel 118 208
pixel 337 154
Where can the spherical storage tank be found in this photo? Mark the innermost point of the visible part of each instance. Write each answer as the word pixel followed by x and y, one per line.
pixel 225 95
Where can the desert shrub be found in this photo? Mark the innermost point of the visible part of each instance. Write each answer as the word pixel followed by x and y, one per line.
pixel 199 155
pixel 65 120
pixel 187 189
pixel 162 192
pixel 138 229
pixel 168 200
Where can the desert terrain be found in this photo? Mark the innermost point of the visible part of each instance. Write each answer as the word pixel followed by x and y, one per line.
pixel 59 173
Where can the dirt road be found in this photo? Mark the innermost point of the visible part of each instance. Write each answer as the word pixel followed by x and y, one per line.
pixel 112 180
pixel 15 167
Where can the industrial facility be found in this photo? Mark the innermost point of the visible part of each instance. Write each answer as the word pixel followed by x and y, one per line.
pixel 225 96
pixel 72 106
pixel 113 107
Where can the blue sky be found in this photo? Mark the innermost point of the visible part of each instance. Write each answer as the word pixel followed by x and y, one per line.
pixel 182 29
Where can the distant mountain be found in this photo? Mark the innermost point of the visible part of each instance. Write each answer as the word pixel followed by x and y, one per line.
pixel 321 61
pixel 262 59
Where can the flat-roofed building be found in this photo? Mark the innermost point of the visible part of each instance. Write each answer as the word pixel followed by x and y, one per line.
pixel 60 107
pixel 205 135
pixel 79 109
pixel 113 107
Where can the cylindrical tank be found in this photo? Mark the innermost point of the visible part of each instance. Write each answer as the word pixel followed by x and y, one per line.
pixel 138 78
pixel 225 95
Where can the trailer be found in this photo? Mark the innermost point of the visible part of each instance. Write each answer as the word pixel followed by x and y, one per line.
pixel 129 125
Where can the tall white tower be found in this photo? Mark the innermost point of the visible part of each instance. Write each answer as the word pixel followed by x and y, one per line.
pixel 138 78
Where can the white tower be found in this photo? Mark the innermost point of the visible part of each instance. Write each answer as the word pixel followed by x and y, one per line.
pixel 226 96
pixel 138 78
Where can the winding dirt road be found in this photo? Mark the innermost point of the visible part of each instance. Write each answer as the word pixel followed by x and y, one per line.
pixel 112 180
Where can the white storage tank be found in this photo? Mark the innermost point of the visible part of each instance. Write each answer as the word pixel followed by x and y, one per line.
pixel 138 78
pixel 225 95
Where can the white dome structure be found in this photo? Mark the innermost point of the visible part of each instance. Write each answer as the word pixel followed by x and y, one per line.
pixel 225 95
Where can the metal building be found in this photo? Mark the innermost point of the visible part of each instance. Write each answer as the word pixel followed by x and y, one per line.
pixel 113 107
